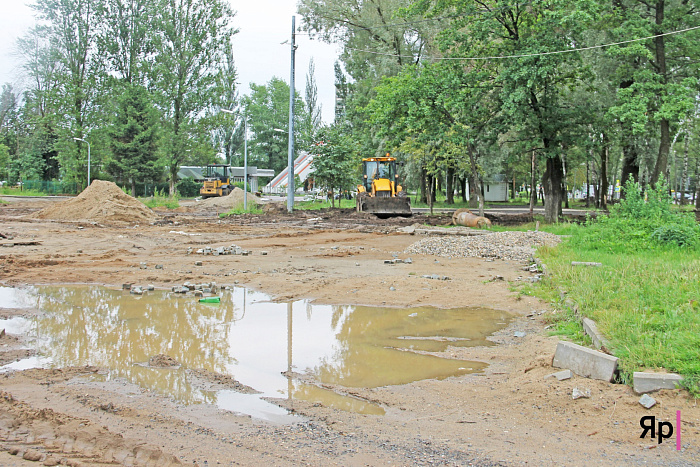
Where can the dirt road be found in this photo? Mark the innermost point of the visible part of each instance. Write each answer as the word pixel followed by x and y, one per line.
pixel 508 414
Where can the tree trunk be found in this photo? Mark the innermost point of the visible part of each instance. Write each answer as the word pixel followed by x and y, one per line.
pixel 660 53
pixel 630 167
pixel 588 186
pixel 463 187
pixel 604 173
pixel 551 180
pixel 133 187
pixel 430 192
pixel 564 192
pixel 449 186
pixel 423 188
pixel 684 175
pixel 533 187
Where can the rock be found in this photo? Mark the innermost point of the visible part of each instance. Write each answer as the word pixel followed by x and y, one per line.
pixel 647 401
pixel 519 334
pixel 50 461
pixel 263 253
pixel 197 263
pixel 32 455
pixel 560 375
pixel 79 251
pixel 137 290
pixel 648 382
pixel 159 266
pixel 143 266
pixel 2 333
pixel 127 286
pixel 585 362
pixel 151 287
pixel 584 393
pixel 392 288
pixel 198 293
pixel 408 261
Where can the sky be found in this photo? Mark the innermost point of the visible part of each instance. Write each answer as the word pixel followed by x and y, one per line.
pixel 259 54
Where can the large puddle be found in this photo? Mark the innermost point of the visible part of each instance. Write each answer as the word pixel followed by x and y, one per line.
pixel 262 344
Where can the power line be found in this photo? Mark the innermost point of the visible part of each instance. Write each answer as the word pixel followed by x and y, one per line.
pixel 538 54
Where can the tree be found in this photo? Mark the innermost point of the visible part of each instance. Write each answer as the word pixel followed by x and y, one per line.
pixel 312 109
pixel 657 77
pixel 134 139
pixel 192 44
pixel 335 160
pixel 267 108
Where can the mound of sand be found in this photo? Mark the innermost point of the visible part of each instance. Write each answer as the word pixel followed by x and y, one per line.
pixel 233 200
pixel 100 202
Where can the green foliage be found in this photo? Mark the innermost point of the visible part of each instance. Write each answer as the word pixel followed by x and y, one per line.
pixel 252 209
pixel 160 199
pixel 188 188
pixel 134 138
pixel 637 223
pixel 335 160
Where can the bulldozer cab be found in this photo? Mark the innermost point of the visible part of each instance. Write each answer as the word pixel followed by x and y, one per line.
pixel 378 168
pixel 217 172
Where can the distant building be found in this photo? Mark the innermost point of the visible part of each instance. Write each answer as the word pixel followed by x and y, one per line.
pixel 197 173
pixel 302 168
pixel 495 189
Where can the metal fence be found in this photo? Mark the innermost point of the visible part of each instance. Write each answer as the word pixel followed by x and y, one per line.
pixel 51 188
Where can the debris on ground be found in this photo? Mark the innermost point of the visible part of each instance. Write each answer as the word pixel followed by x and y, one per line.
pixel 510 246
pixel 581 393
pixel 233 200
pixel 647 401
pixel 163 361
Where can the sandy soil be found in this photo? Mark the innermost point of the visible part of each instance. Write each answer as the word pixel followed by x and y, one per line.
pixel 507 415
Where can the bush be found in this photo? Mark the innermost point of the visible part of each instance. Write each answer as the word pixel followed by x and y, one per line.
pixel 637 223
pixel 188 188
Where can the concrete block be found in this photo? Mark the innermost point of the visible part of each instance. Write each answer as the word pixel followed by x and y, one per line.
pixel 598 339
pixel 647 401
pixel 585 362
pixel 560 375
pixel 648 382
pixel 580 393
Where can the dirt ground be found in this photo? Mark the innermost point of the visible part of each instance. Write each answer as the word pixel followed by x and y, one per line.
pixel 507 415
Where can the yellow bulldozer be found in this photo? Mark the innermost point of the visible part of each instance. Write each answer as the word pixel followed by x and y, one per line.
pixel 216 181
pixel 380 193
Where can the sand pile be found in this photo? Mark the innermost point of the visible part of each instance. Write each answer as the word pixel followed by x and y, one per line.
pixel 233 200
pixel 100 202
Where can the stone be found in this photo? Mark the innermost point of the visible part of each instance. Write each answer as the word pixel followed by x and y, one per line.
pixel 392 288
pixel 583 393
pixel 649 382
pixel 647 401
pixel 137 290
pixel 408 261
pixel 585 362
pixel 159 266
pixel 198 293
pixel 32 455
pixel 143 266
pixel 151 287
pixel 263 253
pixel 560 375
pixel 519 334
pixel 197 263
pixel 2 333
pixel 599 341
pixel 79 251
pixel 127 286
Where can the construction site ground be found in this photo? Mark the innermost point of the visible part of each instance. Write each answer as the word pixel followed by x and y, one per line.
pixel 509 414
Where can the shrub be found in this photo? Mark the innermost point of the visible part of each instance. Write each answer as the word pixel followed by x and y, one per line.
pixel 188 188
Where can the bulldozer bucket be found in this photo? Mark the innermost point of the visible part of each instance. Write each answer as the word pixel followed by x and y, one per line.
pixel 384 206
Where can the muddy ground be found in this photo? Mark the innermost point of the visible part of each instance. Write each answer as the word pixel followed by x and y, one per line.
pixel 507 415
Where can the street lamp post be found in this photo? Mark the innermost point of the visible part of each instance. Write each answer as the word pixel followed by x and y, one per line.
pixel 245 158
pixel 290 156
pixel 81 139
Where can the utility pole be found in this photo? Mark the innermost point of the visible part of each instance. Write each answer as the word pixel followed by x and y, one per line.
pixel 290 156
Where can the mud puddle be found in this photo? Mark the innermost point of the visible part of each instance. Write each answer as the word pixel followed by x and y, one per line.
pixel 247 350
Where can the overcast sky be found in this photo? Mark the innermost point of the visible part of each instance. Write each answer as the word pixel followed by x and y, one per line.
pixel 263 24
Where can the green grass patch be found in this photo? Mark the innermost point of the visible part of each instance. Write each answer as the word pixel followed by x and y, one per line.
pixel 13 191
pixel 159 200
pixel 646 296
pixel 321 204
pixel 240 211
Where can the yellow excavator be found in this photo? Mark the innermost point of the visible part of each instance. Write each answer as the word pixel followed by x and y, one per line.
pixel 380 193
pixel 216 181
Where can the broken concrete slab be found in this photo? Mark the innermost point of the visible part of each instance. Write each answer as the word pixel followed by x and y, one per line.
pixel 583 393
pixel 647 401
pixel 596 336
pixel 584 361
pixel 560 375
pixel 649 382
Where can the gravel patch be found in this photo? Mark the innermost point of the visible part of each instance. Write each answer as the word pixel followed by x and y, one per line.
pixel 510 246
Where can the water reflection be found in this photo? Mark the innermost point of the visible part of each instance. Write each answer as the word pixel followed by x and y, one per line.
pixel 255 341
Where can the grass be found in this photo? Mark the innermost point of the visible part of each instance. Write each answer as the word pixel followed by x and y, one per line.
pixel 647 303
pixel 238 211
pixel 170 202
pixel 320 204
pixel 12 191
